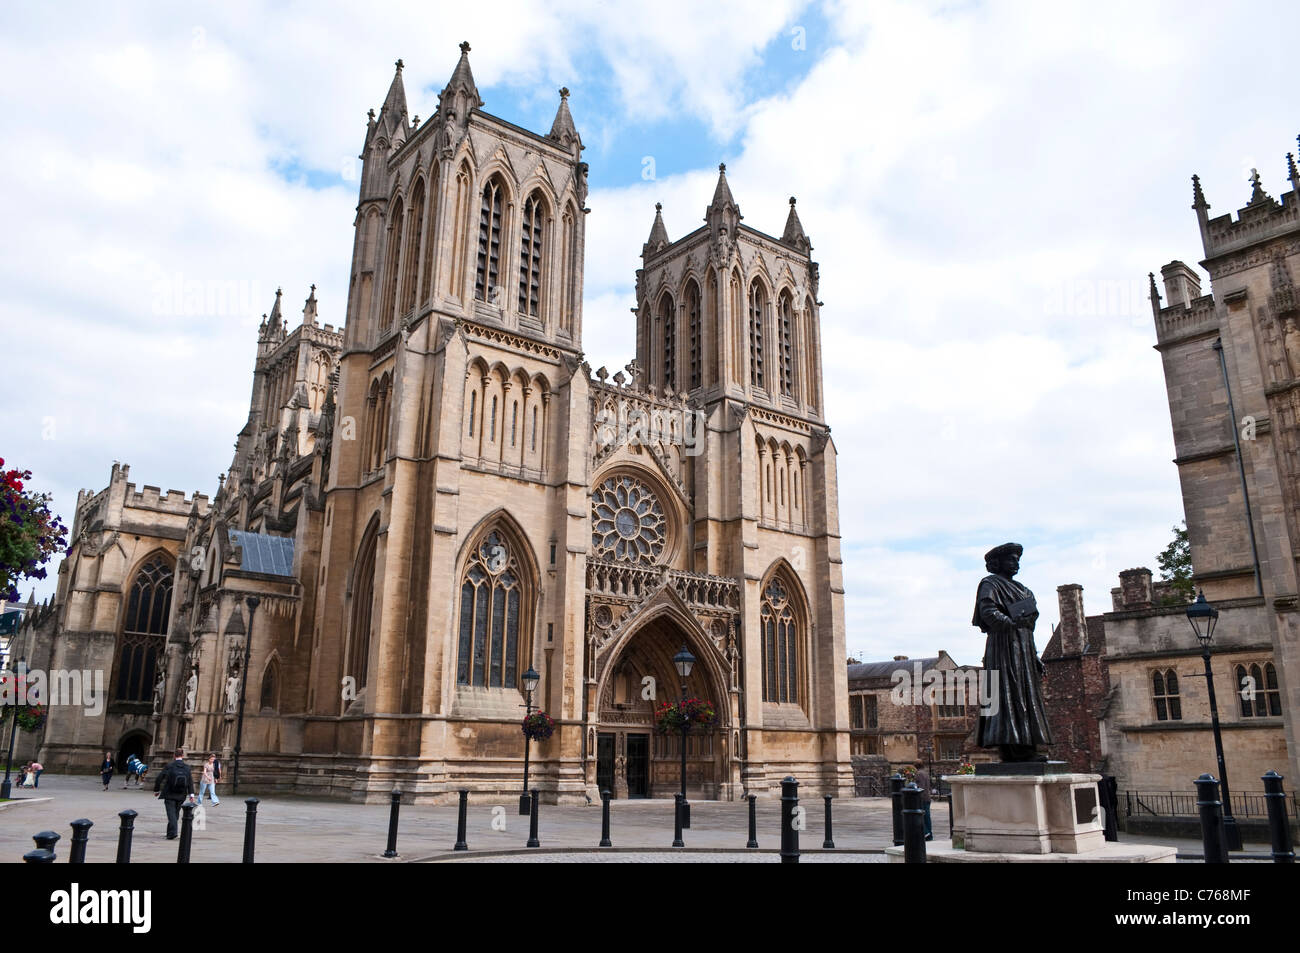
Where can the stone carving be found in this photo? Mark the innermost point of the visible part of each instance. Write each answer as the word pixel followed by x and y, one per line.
pixel 232 693
pixel 192 691
pixel 159 692
pixel 627 521
pixel 1291 342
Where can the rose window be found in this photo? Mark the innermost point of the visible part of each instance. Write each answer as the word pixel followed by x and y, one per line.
pixel 627 522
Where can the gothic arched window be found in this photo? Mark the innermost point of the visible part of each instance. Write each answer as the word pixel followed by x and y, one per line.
pixel 492 604
pixel 693 332
pixel 530 256
pixel 490 223
pixel 414 226
pixel 270 686
pixel 1164 689
pixel 757 304
pixel 779 631
pixel 388 306
pixel 668 326
pixel 144 629
pixel 786 354
pixel 363 593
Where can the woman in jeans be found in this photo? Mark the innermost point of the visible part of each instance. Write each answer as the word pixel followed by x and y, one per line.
pixel 209 781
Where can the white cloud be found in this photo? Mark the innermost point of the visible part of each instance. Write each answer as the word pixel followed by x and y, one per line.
pixel 986 187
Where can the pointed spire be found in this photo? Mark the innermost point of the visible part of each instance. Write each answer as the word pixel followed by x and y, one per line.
pixel 460 95
pixel 794 233
pixel 392 115
pixel 1198 197
pixel 1155 295
pixel 722 194
pixel 275 309
pixel 1257 193
pixel 658 234
pixel 562 129
pixel 723 215
pixel 1293 176
pixel 309 308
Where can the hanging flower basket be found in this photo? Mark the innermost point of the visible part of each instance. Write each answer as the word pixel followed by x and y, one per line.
pixel 688 713
pixel 30 717
pixel 908 772
pixel 538 726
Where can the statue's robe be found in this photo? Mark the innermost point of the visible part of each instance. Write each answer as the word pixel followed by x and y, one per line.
pixel 1016 714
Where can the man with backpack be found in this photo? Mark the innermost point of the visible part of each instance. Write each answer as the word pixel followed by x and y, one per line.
pixel 174 784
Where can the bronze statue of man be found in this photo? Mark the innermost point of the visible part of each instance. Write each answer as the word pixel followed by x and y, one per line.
pixel 1014 721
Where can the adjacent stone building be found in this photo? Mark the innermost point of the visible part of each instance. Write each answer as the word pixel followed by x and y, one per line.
pixel 1232 369
pixel 440 495
pixel 894 721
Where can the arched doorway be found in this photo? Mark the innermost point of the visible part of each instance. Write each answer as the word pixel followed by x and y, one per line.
pixel 633 759
pixel 133 743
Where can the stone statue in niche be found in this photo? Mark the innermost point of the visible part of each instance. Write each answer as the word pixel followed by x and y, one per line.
pixel 192 691
pixel 1015 719
pixel 1291 342
pixel 159 692
pixel 232 693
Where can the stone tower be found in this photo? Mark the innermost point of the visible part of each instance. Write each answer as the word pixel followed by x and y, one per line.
pixel 1243 520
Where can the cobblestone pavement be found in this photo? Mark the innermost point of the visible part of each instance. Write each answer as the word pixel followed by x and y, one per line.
pixel 316 830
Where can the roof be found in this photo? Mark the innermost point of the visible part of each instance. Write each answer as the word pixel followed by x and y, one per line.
pixel 885 669
pixel 271 555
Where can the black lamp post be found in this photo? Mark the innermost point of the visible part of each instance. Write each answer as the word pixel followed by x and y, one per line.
pixel 1203 617
pixel 253 602
pixel 6 787
pixel 684 661
pixel 530 684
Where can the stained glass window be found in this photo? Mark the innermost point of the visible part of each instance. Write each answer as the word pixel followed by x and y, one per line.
pixel 490 605
pixel 144 628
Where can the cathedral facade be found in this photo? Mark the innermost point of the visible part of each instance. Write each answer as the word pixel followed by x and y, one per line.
pixel 441 496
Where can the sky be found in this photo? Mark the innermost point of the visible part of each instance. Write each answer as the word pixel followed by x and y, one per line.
pixel 986 186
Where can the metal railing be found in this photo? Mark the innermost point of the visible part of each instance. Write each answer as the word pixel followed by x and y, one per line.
pixel 1184 804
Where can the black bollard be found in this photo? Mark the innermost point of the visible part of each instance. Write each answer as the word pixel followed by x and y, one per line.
pixel 1108 790
pixel 1212 834
pixel 604 819
pixel 124 836
pixel 1278 829
pixel 532 821
pixel 46 840
pixel 187 833
pixel 753 821
pixel 250 829
pixel 39 856
pixel 677 820
pixel 395 806
pixel 462 816
pixel 80 835
pixel 896 796
pixel 951 822
pixel 789 813
pixel 913 825
pixel 829 842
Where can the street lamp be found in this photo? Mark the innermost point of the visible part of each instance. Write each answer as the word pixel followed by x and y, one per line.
pixel 5 786
pixel 531 679
pixel 683 661
pixel 1203 618
pixel 253 602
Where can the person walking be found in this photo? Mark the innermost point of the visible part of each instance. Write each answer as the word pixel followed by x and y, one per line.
pixel 208 781
pixel 923 782
pixel 174 784
pixel 38 768
pixel 106 769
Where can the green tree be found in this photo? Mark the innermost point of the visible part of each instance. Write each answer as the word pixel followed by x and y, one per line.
pixel 1176 567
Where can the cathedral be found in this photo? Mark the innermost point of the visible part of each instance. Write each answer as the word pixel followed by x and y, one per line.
pixel 440 498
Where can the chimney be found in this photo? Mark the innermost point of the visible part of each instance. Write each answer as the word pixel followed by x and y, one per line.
pixel 1135 588
pixel 1071 629
pixel 1182 285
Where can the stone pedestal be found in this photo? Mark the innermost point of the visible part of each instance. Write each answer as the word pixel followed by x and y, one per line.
pixel 1038 810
